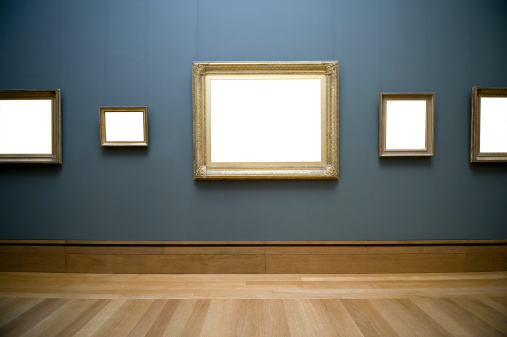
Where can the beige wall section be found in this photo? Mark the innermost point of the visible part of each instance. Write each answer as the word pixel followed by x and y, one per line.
pixel 255 257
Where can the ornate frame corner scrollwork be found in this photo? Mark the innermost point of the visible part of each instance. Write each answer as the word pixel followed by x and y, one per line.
pixel 331 69
pixel 325 71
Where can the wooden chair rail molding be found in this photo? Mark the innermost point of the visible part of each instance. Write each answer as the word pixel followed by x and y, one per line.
pixel 253 257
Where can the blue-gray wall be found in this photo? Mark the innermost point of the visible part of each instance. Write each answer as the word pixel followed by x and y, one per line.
pixel 129 52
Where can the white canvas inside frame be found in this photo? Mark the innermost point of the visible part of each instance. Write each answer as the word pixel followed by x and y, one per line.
pixel 26 126
pixel 124 126
pixel 266 120
pixel 405 124
pixel 493 125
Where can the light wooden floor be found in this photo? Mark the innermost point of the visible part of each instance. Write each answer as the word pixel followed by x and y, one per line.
pixel 460 304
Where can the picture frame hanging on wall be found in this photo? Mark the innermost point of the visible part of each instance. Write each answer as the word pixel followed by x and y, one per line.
pixel 265 120
pixel 30 126
pixel 488 125
pixel 406 124
pixel 123 126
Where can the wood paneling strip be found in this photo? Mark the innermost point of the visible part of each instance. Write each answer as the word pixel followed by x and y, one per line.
pixel 416 249
pixel 114 250
pixel 486 262
pixel 33 249
pixel 471 249
pixel 259 242
pixel 320 257
pixel 214 250
pixel 317 250
pixel 419 263
pixel 165 264
pixel 319 264
pixel 54 263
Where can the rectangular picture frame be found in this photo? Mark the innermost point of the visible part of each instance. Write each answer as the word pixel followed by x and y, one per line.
pixel 30 126
pixel 488 141
pixel 406 124
pixel 265 120
pixel 123 126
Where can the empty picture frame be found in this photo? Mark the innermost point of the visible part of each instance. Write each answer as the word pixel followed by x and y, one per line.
pixel 265 120
pixel 489 125
pixel 30 126
pixel 406 124
pixel 124 126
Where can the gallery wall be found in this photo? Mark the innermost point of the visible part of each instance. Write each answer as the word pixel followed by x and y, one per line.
pixel 140 53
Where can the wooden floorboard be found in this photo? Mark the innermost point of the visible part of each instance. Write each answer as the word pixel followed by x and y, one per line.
pixel 145 323
pixel 455 304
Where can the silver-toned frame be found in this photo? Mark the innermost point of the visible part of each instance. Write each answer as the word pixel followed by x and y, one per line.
pixel 327 168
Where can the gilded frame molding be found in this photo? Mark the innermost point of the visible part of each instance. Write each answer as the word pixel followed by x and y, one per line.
pixel 327 168
pixel 476 156
pixel 430 124
pixel 55 157
pixel 102 119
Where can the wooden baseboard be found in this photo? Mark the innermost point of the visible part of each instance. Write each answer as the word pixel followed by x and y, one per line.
pixel 253 257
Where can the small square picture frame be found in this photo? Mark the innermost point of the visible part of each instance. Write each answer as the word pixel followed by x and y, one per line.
pixel 488 141
pixel 123 126
pixel 406 124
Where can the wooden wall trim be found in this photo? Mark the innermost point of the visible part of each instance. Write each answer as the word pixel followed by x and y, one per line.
pixel 256 243
pixel 272 257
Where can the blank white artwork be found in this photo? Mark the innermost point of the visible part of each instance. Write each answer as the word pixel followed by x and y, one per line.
pixel 266 120
pixel 405 125
pixel 124 126
pixel 493 125
pixel 25 126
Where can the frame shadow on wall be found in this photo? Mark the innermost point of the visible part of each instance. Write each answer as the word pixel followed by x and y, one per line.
pixel 406 129
pixel 124 131
pixel 243 168
pixel 136 152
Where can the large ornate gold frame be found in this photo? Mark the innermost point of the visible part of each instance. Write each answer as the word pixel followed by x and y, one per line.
pixel 326 71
